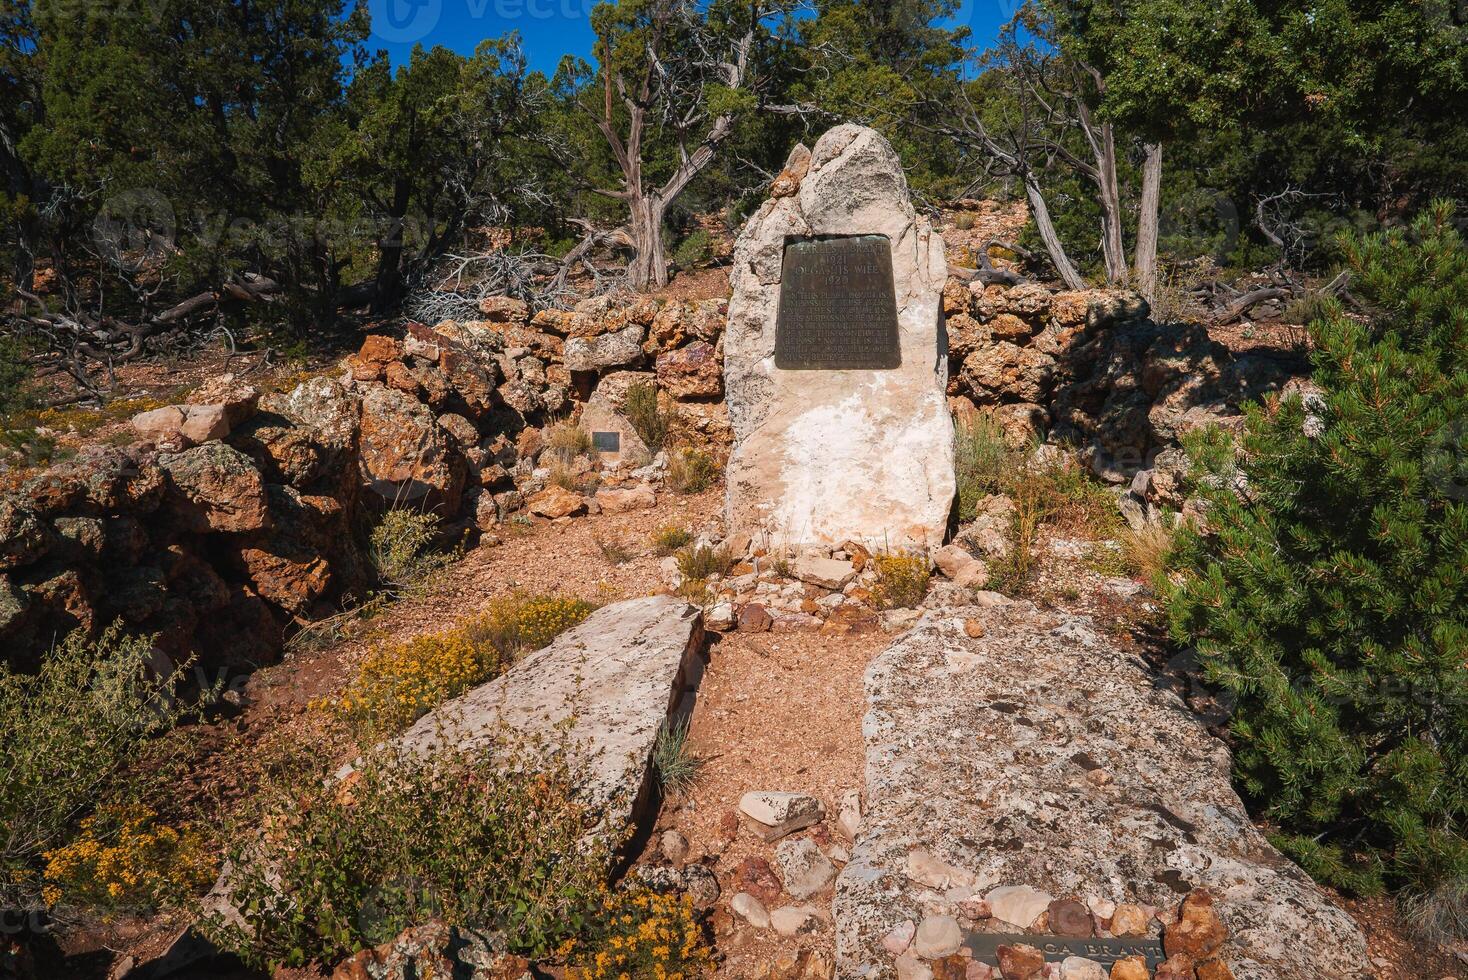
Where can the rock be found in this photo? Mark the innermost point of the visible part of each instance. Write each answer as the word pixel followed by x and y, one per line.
pixel 607 351
pixel 404 456
pixel 234 401
pixel 1176 967
pixel 215 488
pixel 937 936
pixel 755 876
pixel 925 869
pixel 821 457
pixel 720 617
pixel 797 165
pixel 794 920
pixel 691 372
pixel 555 501
pixel 1080 968
pixel 701 885
pixel 1198 932
pixel 640 497
pixel 324 404
pixel 603 415
pixel 1069 917
pixel 1020 962
pixel 828 573
pixel 803 869
pixel 1129 920
pixel 610 683
pixel 960 567
pixel 435 949
pixel 899 937
pixel 1169 820
pixel 771 808
pixel 504 309
pixel 24 537
pixel 460 429
pixel 848 817
pixel 1215 970
pixel 1005 372
pixel 910 967
pixel 1020 905
pixel 673 846
pixel 1114 308
pixel 1130 968
pixel 753 618
pixel 751 909
pixel 162 427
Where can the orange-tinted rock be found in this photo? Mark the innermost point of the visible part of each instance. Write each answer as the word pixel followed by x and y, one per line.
pixel 1214 969
pixel 1130 968
pixel 1178 966
pixel 1199 932
pixel 555 501
pixel 1020 962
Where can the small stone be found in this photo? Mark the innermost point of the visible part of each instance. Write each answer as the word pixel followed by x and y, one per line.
pixel 1068 917
pixel 754 618
pixel 973 629
pixel 960 567
pixel 1098 777
pixel 979 971
pixel 555 501
pixel 937 936
pixel 925 869
pixel 755 876
pixel 1080 968
pixel 1199 932
pixel 1214 970
pixel 701 885
pixel 953 967
pixel 899 937
pixel 818 967
pixel 976 908
pixel 720 617
pixel 828 573
pixel 1020 962
pixel 674 847
pixel 794 920
pixel 751 909
pixel 848 819
pixel 1178 966
pixel 1130 968
pixel 838 854
pixel 1018 905
pixel 910 967
pixel 771 808
pixel 1129 920
pixel 803 869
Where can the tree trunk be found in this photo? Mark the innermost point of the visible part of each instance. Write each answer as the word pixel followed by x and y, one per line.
pixel 1113 251
pixel 649 265
pixel 1145 259
pixel 1046 227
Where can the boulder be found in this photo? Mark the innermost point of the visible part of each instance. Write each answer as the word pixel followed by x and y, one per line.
pixel 235 399
pixel 827 573
pixel 823 456
pixel 614 501
pixel 610 684
pixel 555 501
pixel 504 309
pixel 607 351
pixel 977 751
pixel 24 537
pixel 215 487
pixel 691 372
pixel 960 567
pixel 403 454
pixel 1004 371
pixel 162 427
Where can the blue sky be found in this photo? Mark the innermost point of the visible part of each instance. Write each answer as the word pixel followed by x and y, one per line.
pixel 552 28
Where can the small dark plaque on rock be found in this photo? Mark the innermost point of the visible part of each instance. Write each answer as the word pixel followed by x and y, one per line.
pixel 606 442
pixel 838 306
pixel 985 946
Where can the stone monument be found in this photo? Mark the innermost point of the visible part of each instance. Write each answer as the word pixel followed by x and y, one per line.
pixel 834 361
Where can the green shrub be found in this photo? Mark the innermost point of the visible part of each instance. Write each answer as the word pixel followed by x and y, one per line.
pixel 694 250
pixel 404 549
pixel 1331 597
pixel 647 416
pixel 67 733
pixel 981 460
pixel 692 471
pixel 15 377
pixel 669 538
pixel 495 840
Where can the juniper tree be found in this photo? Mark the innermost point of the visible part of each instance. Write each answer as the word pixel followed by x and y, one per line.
pixel 1330 596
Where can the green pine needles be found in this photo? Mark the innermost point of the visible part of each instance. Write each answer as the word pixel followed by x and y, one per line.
pixel 1329 595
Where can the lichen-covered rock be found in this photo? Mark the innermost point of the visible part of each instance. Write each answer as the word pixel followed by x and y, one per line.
pixel 215 487
pixel 24 537
pixel 435 949
pixel 1004 371
pixel 606 351
pixel 403 454
pixel 691 372
pixel 977 752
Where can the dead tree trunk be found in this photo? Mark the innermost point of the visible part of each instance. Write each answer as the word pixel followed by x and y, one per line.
pixel 649 265
pixel 1045 225
pixel 1144 264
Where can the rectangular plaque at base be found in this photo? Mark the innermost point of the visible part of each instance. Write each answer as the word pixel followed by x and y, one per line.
pixel 838 306
pixel 985 946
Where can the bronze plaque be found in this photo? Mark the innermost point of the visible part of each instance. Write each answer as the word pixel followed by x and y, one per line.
pixel 838 306
pixel 985 948
pixel 606 442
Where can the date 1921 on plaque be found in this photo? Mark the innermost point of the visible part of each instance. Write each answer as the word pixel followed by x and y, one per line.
pixel 838 306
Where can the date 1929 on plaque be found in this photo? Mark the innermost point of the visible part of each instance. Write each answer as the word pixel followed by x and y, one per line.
pixel 838 306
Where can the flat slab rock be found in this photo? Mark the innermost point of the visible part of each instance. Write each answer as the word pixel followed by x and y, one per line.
pixel 621 673
pixel 978 750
